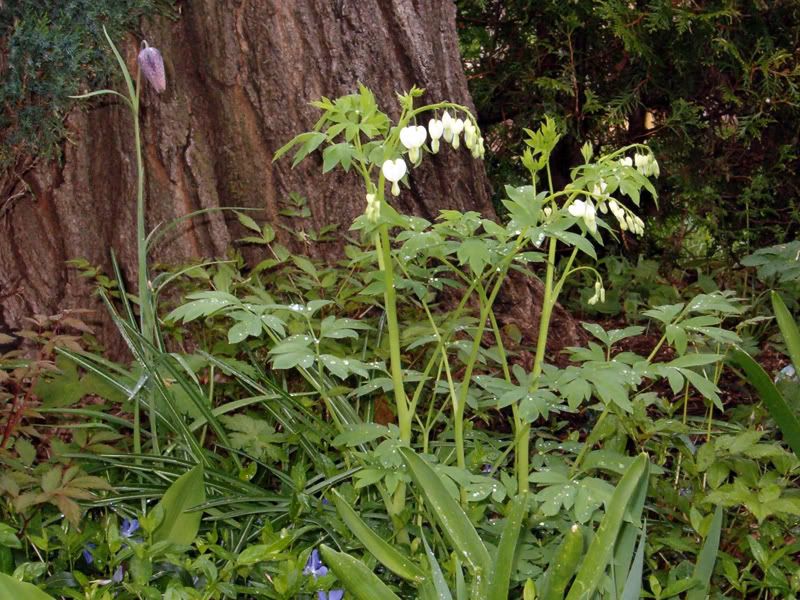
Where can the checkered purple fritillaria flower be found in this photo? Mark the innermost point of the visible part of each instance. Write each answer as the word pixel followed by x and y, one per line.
pixel 151 64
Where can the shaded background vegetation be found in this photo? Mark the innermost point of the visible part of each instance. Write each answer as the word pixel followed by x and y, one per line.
pixel 712 87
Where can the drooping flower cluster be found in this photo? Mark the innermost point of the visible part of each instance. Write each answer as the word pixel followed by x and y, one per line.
pixel 599 293
pixel 647 165
pixel 627 220
pixel 413 138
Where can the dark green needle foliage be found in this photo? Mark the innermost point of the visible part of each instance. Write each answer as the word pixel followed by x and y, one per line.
pixel 51 48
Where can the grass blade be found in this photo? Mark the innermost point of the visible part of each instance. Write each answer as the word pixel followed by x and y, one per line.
pixel 504 563
pixel 356 578
pixel 387 554
pixel 633 583
pixel 454 522
pixel 441 591
pixel 776 404
pixel 601 549
pixel 706 559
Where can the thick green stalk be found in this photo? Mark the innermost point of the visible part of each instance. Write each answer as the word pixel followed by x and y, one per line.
pixel 404 415
pixel 523 440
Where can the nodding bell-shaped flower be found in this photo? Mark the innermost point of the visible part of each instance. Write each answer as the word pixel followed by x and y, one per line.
pixel 413 137
pixel 373 213
pixel 447 125
pixel 470 135
pixel 626 162
pixel 600 188
pixel 151 64
pixel 458 127
pixel 435 129
pixel 394 170
pixel 647 165
pixel 586 211
pixel 599 293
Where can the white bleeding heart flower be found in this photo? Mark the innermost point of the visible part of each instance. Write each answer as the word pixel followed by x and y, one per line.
pixel 590 217
pixel 470 135
pixel 586 211
pixel 577 209
pixel 394 171
pixel 447 125
pixel 413 137
pixel 626 162
pixel 458 127
pixel 599 188
pixel 435 129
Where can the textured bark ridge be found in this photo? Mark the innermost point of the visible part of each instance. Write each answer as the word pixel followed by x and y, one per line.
pixel 240 75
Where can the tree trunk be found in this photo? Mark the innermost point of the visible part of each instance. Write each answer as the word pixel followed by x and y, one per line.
pixel 240 76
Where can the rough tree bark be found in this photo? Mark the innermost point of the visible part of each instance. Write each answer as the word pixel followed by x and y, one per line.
pixel 240 76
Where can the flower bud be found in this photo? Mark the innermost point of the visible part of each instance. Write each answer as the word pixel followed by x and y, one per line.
pixel 151 65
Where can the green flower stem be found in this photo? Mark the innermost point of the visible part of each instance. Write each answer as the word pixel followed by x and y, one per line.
pixel 404 416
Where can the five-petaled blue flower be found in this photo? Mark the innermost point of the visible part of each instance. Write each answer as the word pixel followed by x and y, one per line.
pixel 87 553
pixel 128 527
pixel 314 565
pixel 118 575
pixel 332 595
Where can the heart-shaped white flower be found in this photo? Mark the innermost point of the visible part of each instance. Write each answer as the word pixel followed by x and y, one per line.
pixel 577 209
pixel 413 137
pixel 394 171
pixel 447 124
pixel 436 129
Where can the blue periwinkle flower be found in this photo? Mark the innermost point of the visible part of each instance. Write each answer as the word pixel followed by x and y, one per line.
pixel 314 566
pixel 87 553
pixel 129 527
pixel 119 573
pixel 332 595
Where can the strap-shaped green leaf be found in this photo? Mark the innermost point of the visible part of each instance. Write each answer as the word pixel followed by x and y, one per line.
pixel 185 493
pixel 602 547
pixel 564 564
pixel 776 404
pixel 388 555
pixel 504 563
pixel 706 559
pixel 12 589
pixel 789 330
pixel 454 522
pixel 633 583
pixel 355 576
